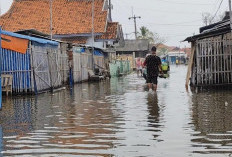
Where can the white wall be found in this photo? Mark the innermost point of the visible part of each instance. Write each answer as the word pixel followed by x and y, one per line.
pixel 96 44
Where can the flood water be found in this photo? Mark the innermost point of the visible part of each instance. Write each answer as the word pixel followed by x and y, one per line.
pixel 118 117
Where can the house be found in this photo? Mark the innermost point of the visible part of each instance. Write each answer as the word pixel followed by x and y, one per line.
pixel 112 38
pixel 140 47
pixel 69 21
pixel 65 20
pixel 176 57
pixel 211 57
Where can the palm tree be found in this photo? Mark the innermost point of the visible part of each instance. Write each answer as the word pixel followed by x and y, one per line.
pixel 145 33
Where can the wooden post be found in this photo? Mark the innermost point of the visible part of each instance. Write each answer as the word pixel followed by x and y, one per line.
pixel 33 69
pixel 49 54
pixel 190 64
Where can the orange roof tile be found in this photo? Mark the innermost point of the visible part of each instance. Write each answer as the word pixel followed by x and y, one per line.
pixel 69 17
pixel 111 31
pixel 76 40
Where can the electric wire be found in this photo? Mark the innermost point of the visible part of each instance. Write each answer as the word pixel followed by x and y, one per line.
pixel 186 3
pixel 217 10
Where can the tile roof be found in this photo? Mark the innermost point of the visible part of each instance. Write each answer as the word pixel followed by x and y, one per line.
pixel 76 40
pixel 69 16
pixel 111 31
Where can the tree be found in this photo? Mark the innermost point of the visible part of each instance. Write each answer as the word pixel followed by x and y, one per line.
pixel 145 33
pixel 154 38
pixel 208 18
pixel 158 40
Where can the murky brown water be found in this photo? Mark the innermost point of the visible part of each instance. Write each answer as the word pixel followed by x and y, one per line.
pixel 118 118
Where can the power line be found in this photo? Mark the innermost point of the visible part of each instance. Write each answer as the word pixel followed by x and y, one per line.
pixel 164 11
pixel 186 22
pixel 164 24
pixel 217 10
pixel 171 24
pixel 186 3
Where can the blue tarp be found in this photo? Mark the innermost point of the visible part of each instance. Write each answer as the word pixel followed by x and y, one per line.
pixel 82 50
pixel 38 40
pixel 98 53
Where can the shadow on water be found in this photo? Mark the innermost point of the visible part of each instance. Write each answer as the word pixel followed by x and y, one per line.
pixel 211 116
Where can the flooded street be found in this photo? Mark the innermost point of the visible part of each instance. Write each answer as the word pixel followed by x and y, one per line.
pixel 118 117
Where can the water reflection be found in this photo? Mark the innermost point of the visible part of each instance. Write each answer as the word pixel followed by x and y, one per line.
pixel 212 122
pixel 60 124
pixel 115 117
pixel 1 140
pixel 153 117
pixel 16 117
pixel 118 117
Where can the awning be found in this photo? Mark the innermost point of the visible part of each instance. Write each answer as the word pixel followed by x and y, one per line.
pixel 15 44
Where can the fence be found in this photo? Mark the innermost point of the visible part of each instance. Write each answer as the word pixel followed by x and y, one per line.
pixel 119 68
pixel 213 61
pixel 64 65
pixel 99 62
pixel 130 58
pixel 37 70
pixel 77 67
pixel 18 65
pixel 46 70
pixel 82 62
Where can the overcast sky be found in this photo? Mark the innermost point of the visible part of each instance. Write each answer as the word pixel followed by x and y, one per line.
pixel 173 19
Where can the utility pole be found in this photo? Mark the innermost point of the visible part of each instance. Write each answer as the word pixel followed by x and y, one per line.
pixel 51 19
pixel 135 17
pixel 110 10
pixel 93 66
pixel 230 15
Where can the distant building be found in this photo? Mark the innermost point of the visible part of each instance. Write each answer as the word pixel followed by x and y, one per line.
pixel 175 56
pixel 139 47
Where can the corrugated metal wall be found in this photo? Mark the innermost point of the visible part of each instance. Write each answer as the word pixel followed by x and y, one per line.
pixel 43 75
pixel 18 65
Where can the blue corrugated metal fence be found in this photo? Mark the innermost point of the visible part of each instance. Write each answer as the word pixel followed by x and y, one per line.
pixel 18 65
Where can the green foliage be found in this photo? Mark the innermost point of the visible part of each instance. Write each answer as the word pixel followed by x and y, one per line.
pixel 153 37
pixel 145 33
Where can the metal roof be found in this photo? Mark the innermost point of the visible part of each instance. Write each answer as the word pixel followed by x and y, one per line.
pixel 215 29
pixel 38 40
